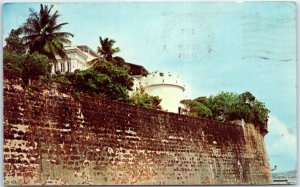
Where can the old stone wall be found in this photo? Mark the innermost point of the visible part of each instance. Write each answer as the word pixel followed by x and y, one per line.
pixel 52 138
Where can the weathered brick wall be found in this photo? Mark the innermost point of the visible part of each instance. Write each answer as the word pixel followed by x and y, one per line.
pixel 52 138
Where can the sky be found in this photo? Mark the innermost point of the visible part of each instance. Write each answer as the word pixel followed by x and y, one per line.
pixel 214 47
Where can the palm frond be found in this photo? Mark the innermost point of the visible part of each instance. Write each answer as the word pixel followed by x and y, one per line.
pixel 63 34
pixel 41 33
pixel 29 37
pixel 32 25
pixel 53 18
pixel 51 6
pixel 59 26
pixel 64 41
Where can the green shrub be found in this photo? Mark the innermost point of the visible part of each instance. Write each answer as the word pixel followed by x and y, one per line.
pixel 13 62
pixel 141 98
pixel 25 66
pixel 61 79
pixel 103 78
pixel 196 109
pixel 228 106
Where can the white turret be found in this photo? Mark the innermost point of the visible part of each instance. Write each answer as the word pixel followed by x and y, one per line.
pixel 168 87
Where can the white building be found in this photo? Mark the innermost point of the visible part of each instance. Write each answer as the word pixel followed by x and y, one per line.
pixel 78 58
pixel 170 88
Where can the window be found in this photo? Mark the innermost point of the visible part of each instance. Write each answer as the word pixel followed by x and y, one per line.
pixel 62 67
pixel 69 65
pixel 55 67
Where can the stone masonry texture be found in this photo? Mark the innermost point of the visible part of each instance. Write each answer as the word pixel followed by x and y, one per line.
pixel 52 137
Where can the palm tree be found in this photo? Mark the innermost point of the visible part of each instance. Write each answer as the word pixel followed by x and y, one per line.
pixel 106 49
pixel 42 34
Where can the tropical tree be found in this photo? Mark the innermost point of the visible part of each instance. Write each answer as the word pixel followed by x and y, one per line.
pixel 42 33
pixel 106 51
pixel 14 42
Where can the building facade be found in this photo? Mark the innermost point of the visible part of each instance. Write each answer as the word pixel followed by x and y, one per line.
pixel 78 58
pixel 170 88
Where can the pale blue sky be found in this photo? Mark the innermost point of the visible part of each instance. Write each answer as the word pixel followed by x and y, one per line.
pixel 215 47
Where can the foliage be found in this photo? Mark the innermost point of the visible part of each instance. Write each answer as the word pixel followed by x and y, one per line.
pixel 13 62
pixel 141 98
pixel 25 65
pixel 61 78
pixel 195 108
pixel 261 113
pixel 42 33
pixel 106 49
pixel 224 106
pixel 227 106
pixel 103 78
pixel 14 42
